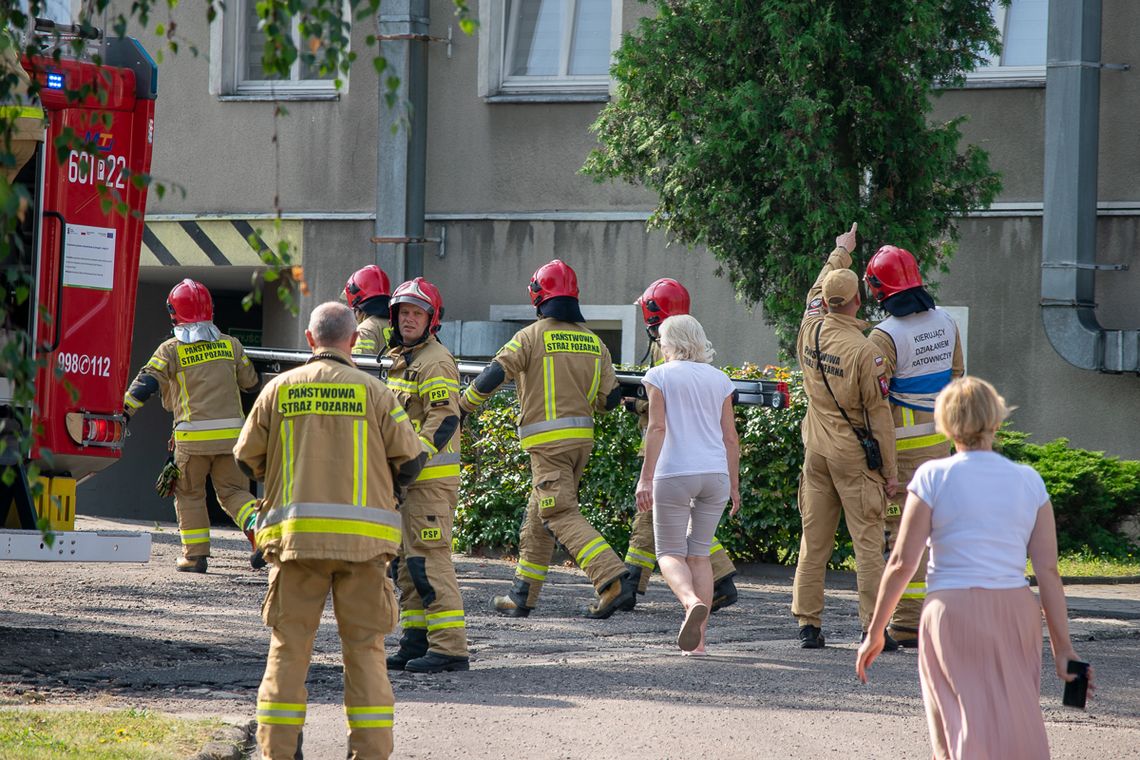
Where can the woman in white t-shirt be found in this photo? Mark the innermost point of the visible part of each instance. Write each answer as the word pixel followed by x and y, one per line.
pixel 979 644
pixel 691 467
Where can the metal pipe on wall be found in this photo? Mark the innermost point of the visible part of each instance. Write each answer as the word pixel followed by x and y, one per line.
pixel 402 138
pixel 1068 265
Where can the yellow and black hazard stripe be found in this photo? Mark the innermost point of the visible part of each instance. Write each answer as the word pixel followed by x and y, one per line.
pixel 216 242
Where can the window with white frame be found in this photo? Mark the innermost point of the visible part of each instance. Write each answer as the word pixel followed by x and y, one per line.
pixel 238 71
pixel 547 47
pixel 1023 28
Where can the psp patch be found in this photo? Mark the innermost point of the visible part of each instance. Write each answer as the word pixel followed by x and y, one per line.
pixel 894 510
pixel 884 386
pixel 546 502
pixel 431 534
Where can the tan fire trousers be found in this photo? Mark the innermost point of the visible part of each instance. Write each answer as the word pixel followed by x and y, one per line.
pixel 425 574
pixel 552 513
pixel 826 488
pixel 642 552
pixel 365 607
pixel 231 486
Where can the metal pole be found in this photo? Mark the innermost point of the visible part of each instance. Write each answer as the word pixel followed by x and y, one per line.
pixel 402 137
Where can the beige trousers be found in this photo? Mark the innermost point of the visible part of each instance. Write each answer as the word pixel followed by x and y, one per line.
pixel 365 608
pixel 552 513
pixel 827 488
pixel 231 486
pixel 429 591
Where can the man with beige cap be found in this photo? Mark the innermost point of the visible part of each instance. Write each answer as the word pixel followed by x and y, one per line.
pixel 849 446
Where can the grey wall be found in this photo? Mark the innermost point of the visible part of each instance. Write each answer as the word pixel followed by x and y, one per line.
pixel 222 152
pixel 997 276
pixel 523 159
pixel 491 263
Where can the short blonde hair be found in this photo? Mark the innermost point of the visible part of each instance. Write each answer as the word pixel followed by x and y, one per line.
pixel 682 337
pixel 969 410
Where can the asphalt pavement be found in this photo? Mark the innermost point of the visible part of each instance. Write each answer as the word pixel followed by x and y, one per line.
pixel 554 685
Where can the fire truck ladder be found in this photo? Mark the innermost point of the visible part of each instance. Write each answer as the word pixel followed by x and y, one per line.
pixel 274 361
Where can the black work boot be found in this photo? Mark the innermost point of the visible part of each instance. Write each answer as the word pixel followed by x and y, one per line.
pixel 889 644
pixel 724 593
pixel 434 662
pixel 635 572
pixel 906 637
pixel 513 603
pixel 191 564
pixel 811 637
pixel 613 596
pixel 413 644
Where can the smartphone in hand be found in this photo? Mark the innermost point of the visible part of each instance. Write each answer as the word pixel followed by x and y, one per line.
pixel 1076 691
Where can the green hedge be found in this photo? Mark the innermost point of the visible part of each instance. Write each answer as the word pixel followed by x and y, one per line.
pixel 496 480
pixel 1091 492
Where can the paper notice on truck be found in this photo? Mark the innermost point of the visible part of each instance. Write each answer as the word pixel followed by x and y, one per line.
pixel 89 257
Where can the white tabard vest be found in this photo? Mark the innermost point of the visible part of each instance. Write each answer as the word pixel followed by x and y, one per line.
pixel 924 347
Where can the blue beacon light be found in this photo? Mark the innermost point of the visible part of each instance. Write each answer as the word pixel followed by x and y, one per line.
pixel 55 80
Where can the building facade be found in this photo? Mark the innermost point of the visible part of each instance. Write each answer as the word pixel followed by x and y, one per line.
pixel 496 143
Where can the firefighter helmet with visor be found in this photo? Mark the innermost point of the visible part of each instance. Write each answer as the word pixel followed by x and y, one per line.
pixel 663 299
pixel 891 270
pixel 418 292
pixel 189 301
pixel 552 280
pixel 365 284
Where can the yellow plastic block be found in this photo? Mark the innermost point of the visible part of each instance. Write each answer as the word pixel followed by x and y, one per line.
pixel 56 502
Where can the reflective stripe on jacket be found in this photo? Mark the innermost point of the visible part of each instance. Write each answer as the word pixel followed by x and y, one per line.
pixel 372 336
pixel 563 373
pixel 327 439
pixel 428 388
pixel 200 383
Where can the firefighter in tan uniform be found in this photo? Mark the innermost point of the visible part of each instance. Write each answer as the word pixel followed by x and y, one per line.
pixel 563 373
pixel 922 354
pixel 665 298
pixel 368 292
pixel 199 373
pixel 836 474
pixel 425 379
pixel 335 448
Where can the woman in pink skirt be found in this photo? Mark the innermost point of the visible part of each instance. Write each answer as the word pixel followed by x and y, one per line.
pixel 980 634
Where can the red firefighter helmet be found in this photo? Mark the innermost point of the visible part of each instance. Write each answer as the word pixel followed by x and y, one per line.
pixel 891 270
pixel 189 302
pixel 664 298
pixel 366 283
pixel 418 292
pixel 553 280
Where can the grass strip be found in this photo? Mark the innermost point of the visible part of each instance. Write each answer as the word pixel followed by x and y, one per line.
pixel 68 734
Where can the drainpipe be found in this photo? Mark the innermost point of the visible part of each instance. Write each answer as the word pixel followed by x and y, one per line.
pixel 402 140
pixel 1068 266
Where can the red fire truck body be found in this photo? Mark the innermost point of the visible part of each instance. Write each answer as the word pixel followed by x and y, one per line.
pixel 85 269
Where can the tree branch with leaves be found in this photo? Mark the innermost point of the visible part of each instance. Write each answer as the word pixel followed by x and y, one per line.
pixel 764 125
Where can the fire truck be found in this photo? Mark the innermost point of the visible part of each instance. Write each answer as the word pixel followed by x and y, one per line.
pixel 81 252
